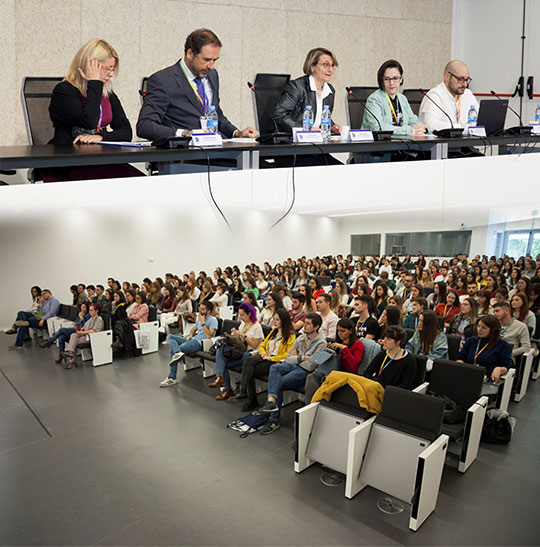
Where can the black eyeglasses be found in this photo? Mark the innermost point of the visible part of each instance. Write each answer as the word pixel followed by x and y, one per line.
pixel 461 80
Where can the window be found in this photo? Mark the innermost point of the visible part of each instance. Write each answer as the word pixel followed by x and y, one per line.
pixel 521 243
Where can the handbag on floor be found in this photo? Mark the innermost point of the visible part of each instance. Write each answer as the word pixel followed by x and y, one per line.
pixel 249 424
pixel 498 427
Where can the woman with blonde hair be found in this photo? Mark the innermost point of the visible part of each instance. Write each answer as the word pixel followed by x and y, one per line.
pixel 85 110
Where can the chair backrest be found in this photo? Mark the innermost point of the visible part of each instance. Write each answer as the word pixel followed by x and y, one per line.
pixel 371 348
pixel 410 333
pixel 412 413
pixel 536 333
pixel 64 311
pixel 152 313
pixel 229 324
pixel 414 96
pixel 440 319
pixel 345 399
pixel 266 330
pixel 428 291
pixel 72 313
pixel 268 88
pixel 454 342
pixel 324 280
pixel 355 105
pixel 36 96
pixel 421 362
pixel 219 330
pixel 459 381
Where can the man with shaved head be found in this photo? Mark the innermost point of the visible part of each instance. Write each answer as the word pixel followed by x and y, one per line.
pixel 452 95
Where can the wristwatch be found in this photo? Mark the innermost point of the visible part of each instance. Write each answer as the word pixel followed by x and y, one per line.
pixel 182 132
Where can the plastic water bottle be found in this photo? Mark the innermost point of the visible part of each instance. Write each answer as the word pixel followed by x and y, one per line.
pixel 308 118
pixel 326 123
pixel 537 114
pixel 212 120
pixel 472 116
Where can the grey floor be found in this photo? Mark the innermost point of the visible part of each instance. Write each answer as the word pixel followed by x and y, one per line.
pixel 118 461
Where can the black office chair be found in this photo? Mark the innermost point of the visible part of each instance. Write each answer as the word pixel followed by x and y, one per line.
pixel 355 105
pixel 414 96
pixel 268 88
pixel 453 346
pixel 36 96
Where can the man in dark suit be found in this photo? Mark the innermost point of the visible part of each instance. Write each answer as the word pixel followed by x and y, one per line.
pixel 180 94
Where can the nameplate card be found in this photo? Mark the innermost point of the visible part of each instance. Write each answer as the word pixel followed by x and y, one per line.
pixel 309 136
pixel 477 131
pixel 206 139
pixel 361 135
pixel 535 128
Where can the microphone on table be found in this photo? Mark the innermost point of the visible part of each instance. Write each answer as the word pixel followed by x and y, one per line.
pixel 377 135
pixel 453 132
pixel 278 137
pixel 520 129
pixel 168 143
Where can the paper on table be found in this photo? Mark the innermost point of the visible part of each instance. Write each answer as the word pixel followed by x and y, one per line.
pixel 125 143
pixel 241 140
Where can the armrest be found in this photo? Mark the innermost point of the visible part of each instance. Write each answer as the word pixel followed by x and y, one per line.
pixel 207 343
pixel 422 388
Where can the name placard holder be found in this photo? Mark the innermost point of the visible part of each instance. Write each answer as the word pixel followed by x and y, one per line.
pixel 361 135
pixel 535 128
pixel 477 131
pixel 309 136
pixel 206 139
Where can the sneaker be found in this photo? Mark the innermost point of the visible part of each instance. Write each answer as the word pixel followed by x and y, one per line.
pixel 270 427
pixel 168 382
pixel 268 408
pixel 21 324
pixel 175 358
pixel 10 331
pixel 15 347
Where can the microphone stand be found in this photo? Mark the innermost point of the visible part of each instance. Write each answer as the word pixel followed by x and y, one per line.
pixel 520 129
pixel 453 132
pixel 381 135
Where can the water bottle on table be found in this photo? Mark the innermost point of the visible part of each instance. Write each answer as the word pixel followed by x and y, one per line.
pixel 326 123
pixel 212 120
pixel 537 114
pixel 472 117
pixel 308 119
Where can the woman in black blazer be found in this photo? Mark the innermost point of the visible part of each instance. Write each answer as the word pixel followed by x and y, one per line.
pixel 319 68
pixel 85 110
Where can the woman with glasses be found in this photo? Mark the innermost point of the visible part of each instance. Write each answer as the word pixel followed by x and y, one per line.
pixel 85 110
pixel 313 89
pixel 389 107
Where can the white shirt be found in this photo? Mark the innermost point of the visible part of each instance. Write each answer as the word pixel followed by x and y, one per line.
pixel 317 115
pixel 191 77
pixel 434 119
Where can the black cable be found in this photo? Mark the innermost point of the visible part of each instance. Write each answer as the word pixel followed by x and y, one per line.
pixel 321 151
pixel 293 193
pixel 210 186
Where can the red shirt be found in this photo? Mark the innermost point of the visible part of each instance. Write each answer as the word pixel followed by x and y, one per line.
pixel 350 358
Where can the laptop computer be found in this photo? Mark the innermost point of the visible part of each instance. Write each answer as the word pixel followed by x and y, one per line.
pixel 492 115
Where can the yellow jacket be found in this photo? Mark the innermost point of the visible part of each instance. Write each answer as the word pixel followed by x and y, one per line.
pixel 283 348
pixel 370 393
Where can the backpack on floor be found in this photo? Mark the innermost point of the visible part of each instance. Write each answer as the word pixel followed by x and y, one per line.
pixel 498 427
pixel 249 424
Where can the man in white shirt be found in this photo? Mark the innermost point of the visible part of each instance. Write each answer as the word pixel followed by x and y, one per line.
pixel 453 96
pixel 330 319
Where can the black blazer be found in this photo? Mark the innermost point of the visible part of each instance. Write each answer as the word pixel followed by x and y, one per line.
pixel 170 93
pixel 289 111
pixel 67 111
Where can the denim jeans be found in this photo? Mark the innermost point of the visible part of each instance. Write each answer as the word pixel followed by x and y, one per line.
pixel 22 332
pixel 62 335
pixel 178 343
pixel 223 366
pixel 283 376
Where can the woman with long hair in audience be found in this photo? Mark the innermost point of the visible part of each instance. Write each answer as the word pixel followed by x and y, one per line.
pixel 484 301
pixel 273 303
pixel 168 302
pixel 249 297
pixel 428 339
pixel 250 331
pixel 310 304
pixel 273 350
pixel 155 297
pixel 389 317
pixel 336 306
pixel 450 308
pixel 461 285
pixel 425 279
pixel 316 287
pixel 482 281
pixel 380 297
pixel 237 290
pixel 451 280
pixel 520 308
pixel 396 301
pixel 139 314
pixel 487 348
pixel 251 286
pixel 183 305
pixel 464 323
pixel 530 268
pixel 130 300
pixel 438 295
pixel 523 285
pixel 302 279
pixel 341 287
pixel 491 284
pixel 206 292
pixel 521 264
